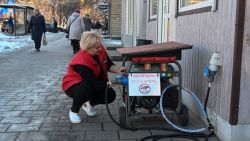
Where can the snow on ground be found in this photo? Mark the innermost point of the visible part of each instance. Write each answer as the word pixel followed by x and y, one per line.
pixel 10 43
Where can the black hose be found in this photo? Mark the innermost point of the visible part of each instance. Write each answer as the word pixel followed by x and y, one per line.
pixel 192 136
pixel 179 134
pixel 210 127
pixel 127 128
pixel 158 137
pixel 206 99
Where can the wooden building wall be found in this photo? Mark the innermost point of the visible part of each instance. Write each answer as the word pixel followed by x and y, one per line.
pixel 151 31
pixel 209 32
pixel 244 110
pixel 115 18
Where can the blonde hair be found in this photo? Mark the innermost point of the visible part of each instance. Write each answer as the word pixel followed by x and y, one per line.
pixel 90 40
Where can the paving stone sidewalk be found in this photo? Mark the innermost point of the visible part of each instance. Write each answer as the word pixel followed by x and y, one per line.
pixel 33 107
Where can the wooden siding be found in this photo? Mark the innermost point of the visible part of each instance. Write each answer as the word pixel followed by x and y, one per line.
pixel 209 32
pixel 142 20
pixel 151 31
pixel 244 110
pixel 115 19
pixel 128 39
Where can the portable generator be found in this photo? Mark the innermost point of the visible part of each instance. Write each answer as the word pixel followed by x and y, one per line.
pixel 151 69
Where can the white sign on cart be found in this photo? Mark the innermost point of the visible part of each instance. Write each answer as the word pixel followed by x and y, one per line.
pixel 144 84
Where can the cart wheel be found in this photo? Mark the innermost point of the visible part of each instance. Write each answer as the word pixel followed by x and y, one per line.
pixel 122 117
pixel 184 118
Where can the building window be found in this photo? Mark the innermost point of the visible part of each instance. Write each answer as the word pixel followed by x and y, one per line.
pixel 153 9
pixel 189 5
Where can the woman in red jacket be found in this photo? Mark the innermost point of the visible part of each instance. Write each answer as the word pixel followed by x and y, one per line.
pixel 86 79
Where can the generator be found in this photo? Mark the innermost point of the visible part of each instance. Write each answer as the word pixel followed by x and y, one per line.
pixel 152 68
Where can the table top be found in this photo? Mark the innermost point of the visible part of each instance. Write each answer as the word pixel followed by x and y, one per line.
pixel 151 49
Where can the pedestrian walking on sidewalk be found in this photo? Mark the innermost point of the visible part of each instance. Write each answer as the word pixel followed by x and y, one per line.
pixel 87 22
pixel 97 25
pixel 11 25
pixel 86 79
pixel 76 27
pixel 37 27
pixel 106 23
pixel 55 24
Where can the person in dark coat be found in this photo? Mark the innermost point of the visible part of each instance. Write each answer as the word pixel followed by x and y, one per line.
pixel 11 25
pixel 97 25
pixel 87 22
pixel 37 27
pixel 106 23
pixel 55 25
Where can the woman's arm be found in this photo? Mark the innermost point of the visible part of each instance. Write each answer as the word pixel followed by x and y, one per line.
pixel 115 69
pixel 109 63
pixel 89 77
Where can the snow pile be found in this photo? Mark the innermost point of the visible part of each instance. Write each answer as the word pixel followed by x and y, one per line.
pixel 10 43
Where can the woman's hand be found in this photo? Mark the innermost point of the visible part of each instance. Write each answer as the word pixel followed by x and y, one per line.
pixel 121 70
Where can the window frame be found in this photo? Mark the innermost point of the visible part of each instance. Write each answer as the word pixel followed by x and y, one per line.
pixel 200 7
pixel 152 17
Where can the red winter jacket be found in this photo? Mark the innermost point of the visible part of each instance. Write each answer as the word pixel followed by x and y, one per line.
pixel 83 58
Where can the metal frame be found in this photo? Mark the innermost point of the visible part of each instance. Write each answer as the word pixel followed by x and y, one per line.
pixel 127 99
pixel 18 6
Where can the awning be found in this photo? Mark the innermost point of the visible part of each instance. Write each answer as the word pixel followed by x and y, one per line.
pixel 20 6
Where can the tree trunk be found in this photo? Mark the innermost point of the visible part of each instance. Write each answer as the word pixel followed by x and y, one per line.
pixel 53 11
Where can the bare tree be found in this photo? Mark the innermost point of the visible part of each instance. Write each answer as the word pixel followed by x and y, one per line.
pixel 89 3
pixel 53 5
pixel 63 8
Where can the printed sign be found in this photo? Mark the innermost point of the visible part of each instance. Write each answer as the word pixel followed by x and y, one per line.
pixel 144 84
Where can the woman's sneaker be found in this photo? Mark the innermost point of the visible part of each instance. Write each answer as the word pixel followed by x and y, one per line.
pixel 89 109
pixel 74 117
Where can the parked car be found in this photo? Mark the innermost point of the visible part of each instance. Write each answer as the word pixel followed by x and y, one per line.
pixel 5 26
pixel 61 29
pixel 49 27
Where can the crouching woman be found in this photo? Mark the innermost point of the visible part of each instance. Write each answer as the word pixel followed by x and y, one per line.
pixel 86 78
